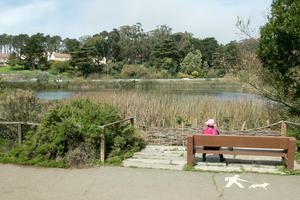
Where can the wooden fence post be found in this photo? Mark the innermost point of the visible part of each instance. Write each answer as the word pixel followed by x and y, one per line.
pixel 283 129
pixel 190 150
pixel 132 121
pixel 243 126
pixel 102 145
pixel 19 133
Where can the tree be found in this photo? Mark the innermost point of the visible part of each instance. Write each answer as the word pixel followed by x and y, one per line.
pixel 53 43
pixel 70 45
pixel 165 56
pixel 84 61
pixel 132 43
pixel 208 46
pixel 113 45
pixel 34 52
pixel 279 51
pixel 225 57
pixel 193 62
pixel 184 43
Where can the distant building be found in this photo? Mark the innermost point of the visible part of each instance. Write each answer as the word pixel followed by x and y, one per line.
pixel 59 56
pixel 3 58
pixel 103 61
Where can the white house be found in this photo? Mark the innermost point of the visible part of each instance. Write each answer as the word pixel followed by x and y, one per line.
pixel 103 61
pixel 59 56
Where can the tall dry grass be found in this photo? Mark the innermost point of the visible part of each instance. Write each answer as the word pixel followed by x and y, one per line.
pixel 170 110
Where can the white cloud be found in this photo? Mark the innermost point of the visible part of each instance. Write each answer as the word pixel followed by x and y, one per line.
pixel 214 18
pixel 25 17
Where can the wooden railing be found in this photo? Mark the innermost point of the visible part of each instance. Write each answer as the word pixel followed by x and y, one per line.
pixel 102 135
pixel 102 132
pixel 19 125
pixel 283 126
pixel 283 130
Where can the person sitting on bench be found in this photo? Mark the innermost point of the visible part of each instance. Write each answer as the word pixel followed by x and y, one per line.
pixel 211 130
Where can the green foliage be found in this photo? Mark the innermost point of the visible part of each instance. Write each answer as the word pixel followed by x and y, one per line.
pixel 295 133
pixel 57 67
pixel 113 68
pixel 189 168
pixel 182 75
pixel 34 52
pixel 195 74
pixel 6 145
pixel 69 136
pixel 130 44
pixel 19 105
pixel 71 45
pixel 86 61
pixel 193 63
pixel 43 77
pixel 226 57
pixel 207 46
pixel 165 55
pixel 279 52
pixel 134 71
pixel 13 59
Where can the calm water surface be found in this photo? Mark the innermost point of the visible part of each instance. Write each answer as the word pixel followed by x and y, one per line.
pixel 182 89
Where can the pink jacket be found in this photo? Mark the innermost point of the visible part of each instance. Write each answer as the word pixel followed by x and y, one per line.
pixel 210 131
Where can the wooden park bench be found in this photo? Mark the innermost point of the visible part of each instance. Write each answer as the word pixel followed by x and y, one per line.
pixel 284 147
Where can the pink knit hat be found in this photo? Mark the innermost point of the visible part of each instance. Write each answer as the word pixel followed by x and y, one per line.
pixel 210 122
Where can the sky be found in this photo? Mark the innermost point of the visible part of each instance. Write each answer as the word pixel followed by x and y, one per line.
pixel 75 18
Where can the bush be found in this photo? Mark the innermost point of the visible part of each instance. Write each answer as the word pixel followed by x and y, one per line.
pixel 295 133
pixel 195 74
pixel 19 105
pixel 70 135
pixel 57 67
pixel 43 77
pixel 134 71
pixel 182 75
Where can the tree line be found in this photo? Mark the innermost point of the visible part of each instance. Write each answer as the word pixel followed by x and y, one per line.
pixel 129 50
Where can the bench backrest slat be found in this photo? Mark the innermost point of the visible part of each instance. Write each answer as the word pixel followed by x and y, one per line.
pixel 242 141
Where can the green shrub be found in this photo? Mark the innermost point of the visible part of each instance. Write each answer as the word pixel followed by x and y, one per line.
pixel 57 67
pixel 70 135
pixel 134 71
pixel 19 105
pixel 295 133
pixel 195 74
pixel 182 75
pixel 43 77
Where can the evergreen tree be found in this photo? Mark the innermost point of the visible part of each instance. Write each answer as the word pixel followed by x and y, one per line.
pixel 279 51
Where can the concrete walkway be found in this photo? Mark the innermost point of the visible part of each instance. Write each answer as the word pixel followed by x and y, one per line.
pixel 174 158
pixel 113 183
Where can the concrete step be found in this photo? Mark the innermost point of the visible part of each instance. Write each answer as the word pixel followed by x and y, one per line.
pixel 165 148
pixel 158 156
pixel 131 163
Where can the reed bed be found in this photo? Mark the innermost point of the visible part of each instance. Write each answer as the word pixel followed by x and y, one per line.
pixel 173 110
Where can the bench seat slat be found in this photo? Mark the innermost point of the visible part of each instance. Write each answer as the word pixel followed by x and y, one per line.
pixel 242 141
pixel 240 151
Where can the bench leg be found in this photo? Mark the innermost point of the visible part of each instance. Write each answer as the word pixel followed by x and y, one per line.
pixel 190 151
pixel 291 154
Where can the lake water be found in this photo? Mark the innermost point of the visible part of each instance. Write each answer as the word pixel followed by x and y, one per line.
pixel 192 89
pixel 54 95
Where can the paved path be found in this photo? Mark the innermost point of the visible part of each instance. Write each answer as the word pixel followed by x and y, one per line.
pixel 114 183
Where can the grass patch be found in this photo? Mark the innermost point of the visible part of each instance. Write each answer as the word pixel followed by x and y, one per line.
pixel 6 145
pixel 189 168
